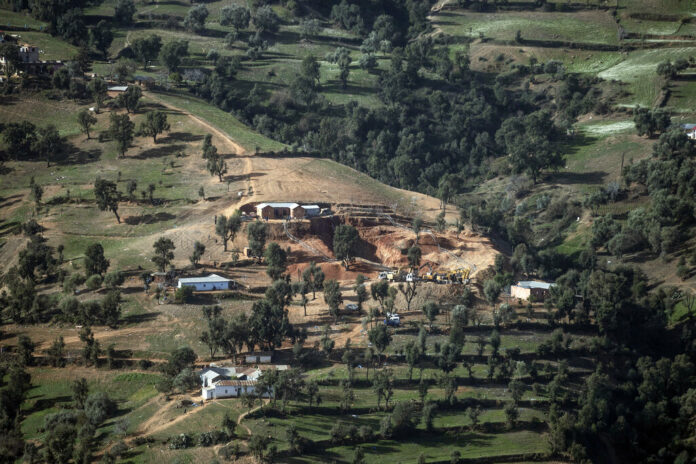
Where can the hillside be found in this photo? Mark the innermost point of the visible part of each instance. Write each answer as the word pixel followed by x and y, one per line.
pixel 454 148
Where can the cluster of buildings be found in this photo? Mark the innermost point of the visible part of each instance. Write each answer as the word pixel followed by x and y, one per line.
pixel 29 58
pixel 235 381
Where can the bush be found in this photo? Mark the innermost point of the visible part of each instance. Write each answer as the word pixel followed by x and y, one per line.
pixel 183 295
pixel 144 364
pixel 72 282
pixel 230 452
pixel 181 441
pixel 114 279
pixel 99 407
pixel 94 282
pixel 212 438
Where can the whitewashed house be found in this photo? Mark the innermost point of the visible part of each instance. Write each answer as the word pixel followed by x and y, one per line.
pixel 231 382
pixel 202 284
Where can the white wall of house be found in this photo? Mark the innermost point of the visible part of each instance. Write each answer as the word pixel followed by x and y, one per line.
pixel 222 391
pixel 203 286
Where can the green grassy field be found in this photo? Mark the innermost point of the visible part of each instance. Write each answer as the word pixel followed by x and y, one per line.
pixel 591 27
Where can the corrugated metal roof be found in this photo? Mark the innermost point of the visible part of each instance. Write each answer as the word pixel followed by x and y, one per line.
pixel 534 284
pixel 278 205
pixel 201 280
pixel 117 88
pixel 236 383
pixel 311 206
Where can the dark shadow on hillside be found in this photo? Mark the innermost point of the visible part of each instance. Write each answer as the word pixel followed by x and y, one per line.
pixel 148 218
pixel 160 151
pixel 240 177
pixel 46 403
pixel 180 137
pixel 10 200
pixel 336 86
pixel 140 318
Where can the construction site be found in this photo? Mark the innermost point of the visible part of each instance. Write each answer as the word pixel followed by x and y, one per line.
pixel 385 236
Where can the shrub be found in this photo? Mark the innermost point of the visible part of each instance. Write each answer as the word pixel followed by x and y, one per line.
pixel 99 407
pixel 183 295
pixel 181 441
pixel 114 279
pixel 212 438
pixel 144 364
pixel 94 282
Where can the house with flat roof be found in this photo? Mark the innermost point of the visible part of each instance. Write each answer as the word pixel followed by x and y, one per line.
pixel 211 282
pixel 530 288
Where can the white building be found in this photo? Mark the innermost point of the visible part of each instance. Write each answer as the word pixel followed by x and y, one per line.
pixel 690 130
pixel 202 284
pixel 530 288
pixel 231 382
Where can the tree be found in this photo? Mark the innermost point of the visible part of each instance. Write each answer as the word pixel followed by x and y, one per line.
pixel 48 143
pixel 527 142
pixel 236 16
pixel 276 261
pixel 107 196
pixel 164 253
pixel 95 262
pixel 341 56
pixel 227 228
pixel 91 350
pixel 360 291
pixel 256 236
pixel 313 277
pixel 80 392
pixel 147 48
pixel 215 335
pixel 37 194
pixel 344 242
pixel 413 356
pixel 195 18
pixel 383 385
pixel 474 414
pixel 86 119
pixel 495 342
pixel 217 166
pixel 101 36
pixel 208 149
pixel 333 297
pixel 511 414
pixel 155 123
pixel 414 257
pixel 10 53
pixel 25 350
pixel 491 290
pixel 98 89
pixel 130 99
pixel 431 311
pixel 172 53
pixel 265 19
pixel 124 11
pixel 197 254
pixel 19 137
pixel 380 338
pixel 409 290
pixel 121 130
pixel 379 290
